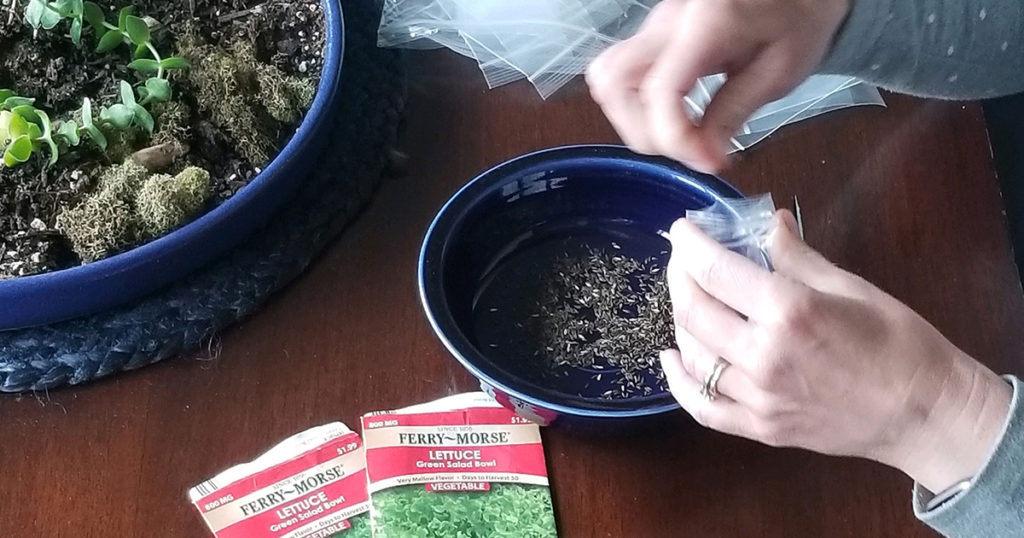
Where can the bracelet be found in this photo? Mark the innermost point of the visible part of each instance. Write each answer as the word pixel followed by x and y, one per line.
pixel 947 494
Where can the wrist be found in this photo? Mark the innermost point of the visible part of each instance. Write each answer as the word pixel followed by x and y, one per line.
pixel 951 441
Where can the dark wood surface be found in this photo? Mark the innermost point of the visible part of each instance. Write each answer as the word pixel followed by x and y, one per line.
pixel 906 196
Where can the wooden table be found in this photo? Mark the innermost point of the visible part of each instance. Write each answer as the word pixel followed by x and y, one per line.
pixel 905 196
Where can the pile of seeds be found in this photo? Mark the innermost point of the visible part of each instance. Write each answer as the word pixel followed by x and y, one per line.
pixel 609 314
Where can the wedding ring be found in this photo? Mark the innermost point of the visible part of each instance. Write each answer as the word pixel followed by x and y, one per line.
pixel 710 389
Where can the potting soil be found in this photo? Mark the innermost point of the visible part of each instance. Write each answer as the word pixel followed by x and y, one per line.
pixel 285 38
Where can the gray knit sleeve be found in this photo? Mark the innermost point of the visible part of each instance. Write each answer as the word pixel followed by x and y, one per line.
pixel 993 506
pixel 955 49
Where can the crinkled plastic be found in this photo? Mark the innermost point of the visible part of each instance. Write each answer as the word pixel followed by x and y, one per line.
pixel 816 95
pixel 548 42
pixel 742 225
pixel 545 41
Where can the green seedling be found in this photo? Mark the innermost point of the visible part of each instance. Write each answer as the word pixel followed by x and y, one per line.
pixel 90 129
pixel 133 30
pixel 25 130
pixel 48 14
pixel 129 30
pixel 128 112
pixel 8 100
pixel 131 111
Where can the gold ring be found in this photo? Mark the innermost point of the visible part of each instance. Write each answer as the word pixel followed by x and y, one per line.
pixel 710 388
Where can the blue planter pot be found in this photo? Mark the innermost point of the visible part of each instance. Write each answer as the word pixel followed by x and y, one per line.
pixel 487 245
pixel 87 289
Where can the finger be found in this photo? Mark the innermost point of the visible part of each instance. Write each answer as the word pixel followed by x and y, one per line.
pixel 793 258
pixel 712 323
pixel 734 280
pixel 614 80
pixel 703 46
pixel 698 360
pixel 764 79
pixel 614 77
pixel 722 414
pixel 636 54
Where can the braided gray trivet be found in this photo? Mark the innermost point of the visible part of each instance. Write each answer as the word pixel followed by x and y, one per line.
pixel 183 316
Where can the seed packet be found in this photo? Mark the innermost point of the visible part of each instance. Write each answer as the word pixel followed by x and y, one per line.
pixel 311 485
pixel 461 466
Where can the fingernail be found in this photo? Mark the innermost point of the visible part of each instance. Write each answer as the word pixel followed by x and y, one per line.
pixel 675 232
pixel 788 220
pixel 668 362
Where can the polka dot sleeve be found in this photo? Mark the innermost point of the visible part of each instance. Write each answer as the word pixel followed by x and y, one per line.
pixel 953 49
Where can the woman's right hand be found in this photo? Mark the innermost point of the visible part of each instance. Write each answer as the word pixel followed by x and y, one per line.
pixel 818 358
pixel 765 47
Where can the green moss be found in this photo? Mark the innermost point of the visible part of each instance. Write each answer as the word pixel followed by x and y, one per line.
pixel 285 97
pixel 251 100
pixel 100 226
pixel 164 203
pixel 122 143
pixel 129 206
pixel 123 180
pixel 105 223
pixel 507 510
pixel 172 123
pixel 222 84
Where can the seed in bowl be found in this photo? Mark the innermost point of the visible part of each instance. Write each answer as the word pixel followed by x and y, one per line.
pixel 609 314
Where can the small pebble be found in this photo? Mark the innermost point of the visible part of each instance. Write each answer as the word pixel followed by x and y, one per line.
pixel 37 224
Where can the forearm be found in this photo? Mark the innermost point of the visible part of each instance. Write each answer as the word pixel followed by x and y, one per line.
pixel 994 503
pixel 958 426
pixel 955 49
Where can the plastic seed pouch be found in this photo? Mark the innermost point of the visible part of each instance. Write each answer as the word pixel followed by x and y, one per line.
pixel 463 466
pixel 311 485
pixel 743 225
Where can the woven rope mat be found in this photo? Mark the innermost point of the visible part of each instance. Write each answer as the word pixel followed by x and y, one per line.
pixel 180 318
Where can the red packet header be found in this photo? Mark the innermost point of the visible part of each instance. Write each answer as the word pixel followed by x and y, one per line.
pixel 467 439
pixel 308 486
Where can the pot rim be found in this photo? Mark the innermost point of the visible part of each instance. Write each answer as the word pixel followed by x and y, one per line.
pixel 431 289
pixel 35 288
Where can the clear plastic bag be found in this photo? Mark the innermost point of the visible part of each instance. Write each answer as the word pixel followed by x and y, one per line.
pixel 549 42
pixel 816 95
pixel 743 225
pixel 545 41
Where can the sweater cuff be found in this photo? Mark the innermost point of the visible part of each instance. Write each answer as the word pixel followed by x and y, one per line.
pixel 856 38
pixel 990 506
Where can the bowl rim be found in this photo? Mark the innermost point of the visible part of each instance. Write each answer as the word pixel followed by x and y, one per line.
pixel 431 292
pixel 23 287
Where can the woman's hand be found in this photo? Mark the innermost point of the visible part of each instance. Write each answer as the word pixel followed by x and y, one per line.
pixel 821 359
pixel 765 47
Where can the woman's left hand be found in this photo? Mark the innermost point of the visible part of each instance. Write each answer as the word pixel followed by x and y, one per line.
pixel 821 359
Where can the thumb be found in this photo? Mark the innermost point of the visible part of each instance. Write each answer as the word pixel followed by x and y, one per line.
pixel 787 219
pixel 793 258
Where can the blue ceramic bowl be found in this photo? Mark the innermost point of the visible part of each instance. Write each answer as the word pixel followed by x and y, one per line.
pixel 87 289
pixel 481 256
